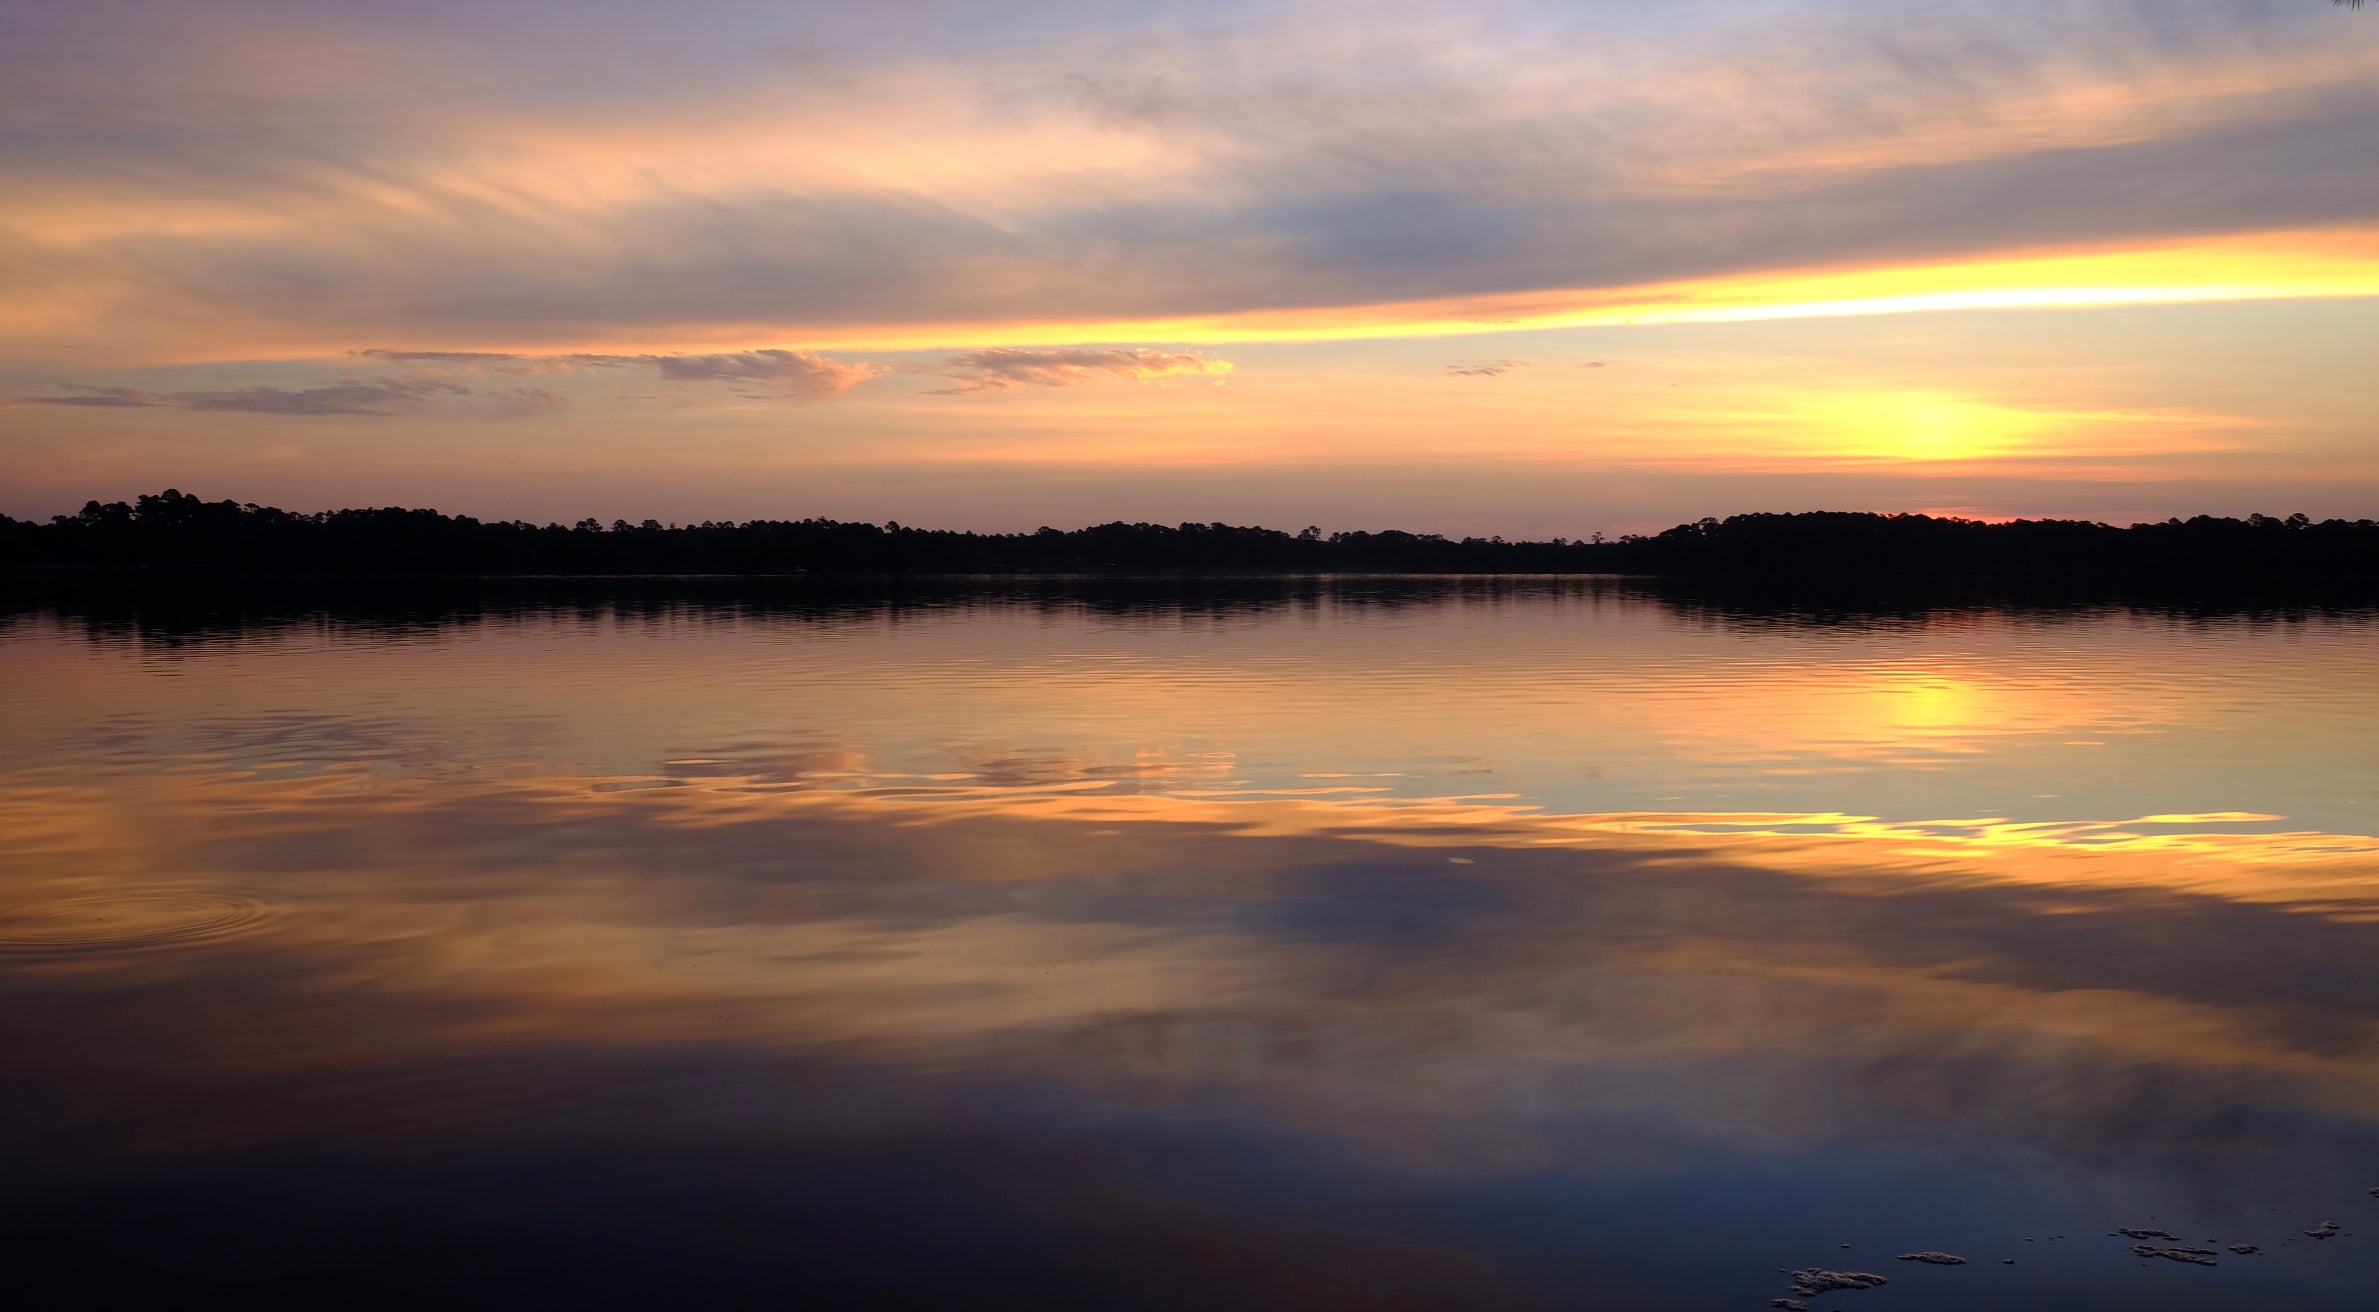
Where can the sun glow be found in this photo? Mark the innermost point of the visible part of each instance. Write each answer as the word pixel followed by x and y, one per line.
pixel 1918 427
pixel 1924 426
pixel 1774 424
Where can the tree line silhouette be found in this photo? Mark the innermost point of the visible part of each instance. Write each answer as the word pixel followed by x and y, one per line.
pixel 172 532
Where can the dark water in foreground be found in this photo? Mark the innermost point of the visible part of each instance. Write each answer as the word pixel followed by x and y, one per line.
pixel 1430 947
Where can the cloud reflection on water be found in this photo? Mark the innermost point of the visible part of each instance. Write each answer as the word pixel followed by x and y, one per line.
pixel 1153 992
pixel 968 928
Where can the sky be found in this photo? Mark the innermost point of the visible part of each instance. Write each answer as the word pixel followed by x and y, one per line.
pixel 1528 268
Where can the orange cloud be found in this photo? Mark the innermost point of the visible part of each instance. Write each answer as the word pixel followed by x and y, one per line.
pixel 2307 264
pixel 2264 266
pixel 1006 368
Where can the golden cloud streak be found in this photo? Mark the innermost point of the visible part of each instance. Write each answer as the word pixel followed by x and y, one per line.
pixel 2274 266
pixel 2216 855
pixel 459 893
pixel 2311 264
pixel 2289 265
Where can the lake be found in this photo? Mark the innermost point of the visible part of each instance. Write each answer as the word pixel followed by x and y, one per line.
pixel 1357 944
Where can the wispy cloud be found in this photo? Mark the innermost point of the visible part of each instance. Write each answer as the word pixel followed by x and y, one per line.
pixel 417 179
pixel 528 401
pixel 1489 369
pixel 426 376
pixel 85 394
pixel 782 372
pixel 353 396
pixel 493 362
pixel 1006 368
pixel 790 373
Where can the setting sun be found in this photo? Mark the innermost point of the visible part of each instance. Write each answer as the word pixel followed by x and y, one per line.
pixel 1284 657
pixel 1925 426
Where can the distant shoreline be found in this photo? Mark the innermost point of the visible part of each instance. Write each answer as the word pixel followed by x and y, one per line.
pixel 171 535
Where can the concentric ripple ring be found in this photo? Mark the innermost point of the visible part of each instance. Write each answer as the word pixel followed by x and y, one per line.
pixel 131 921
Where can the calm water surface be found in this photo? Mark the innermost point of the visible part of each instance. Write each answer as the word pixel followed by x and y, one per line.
pixel 1424 946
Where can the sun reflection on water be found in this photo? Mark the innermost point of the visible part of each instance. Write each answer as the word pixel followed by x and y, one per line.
pixel 1290 881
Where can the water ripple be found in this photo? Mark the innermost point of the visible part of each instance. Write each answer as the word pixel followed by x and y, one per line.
pixel 135 920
